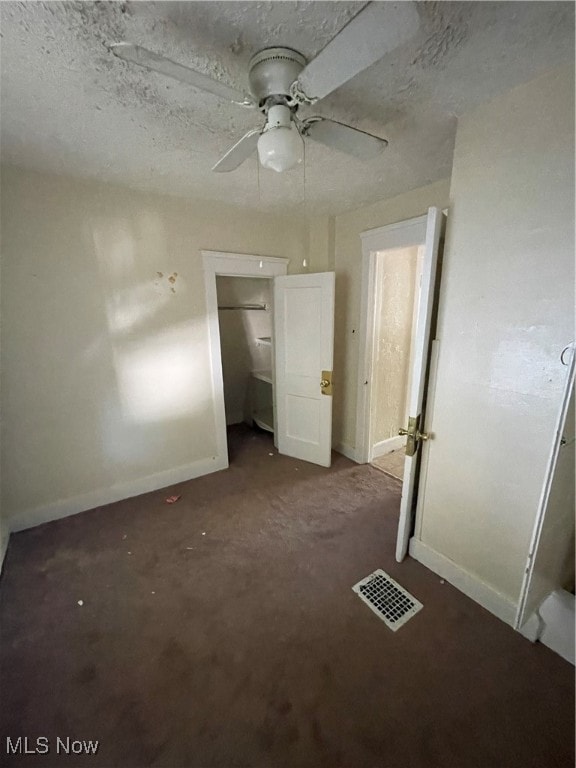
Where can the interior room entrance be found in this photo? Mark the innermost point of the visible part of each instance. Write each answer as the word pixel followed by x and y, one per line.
pixel 398 273
pixel 396 357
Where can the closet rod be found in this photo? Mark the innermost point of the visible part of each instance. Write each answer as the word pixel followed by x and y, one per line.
pixel 263 307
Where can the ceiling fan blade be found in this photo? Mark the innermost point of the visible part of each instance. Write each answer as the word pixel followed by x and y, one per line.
pixel 145 58
pixel 239 152
pixel 343 137
pixel 377 29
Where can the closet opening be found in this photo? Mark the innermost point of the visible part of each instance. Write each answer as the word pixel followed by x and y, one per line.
pixel 245 320
pixel 239 291
pixel 270 366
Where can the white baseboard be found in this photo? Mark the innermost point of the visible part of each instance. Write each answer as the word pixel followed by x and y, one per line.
pixel 346 450
pixel 65 507
pixel 532 629
pixel 558 614
pixel 495 602
pixel 387 446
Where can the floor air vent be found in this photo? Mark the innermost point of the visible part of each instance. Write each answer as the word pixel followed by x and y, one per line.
pixel 387 599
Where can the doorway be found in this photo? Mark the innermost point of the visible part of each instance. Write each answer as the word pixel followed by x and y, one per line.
pixel 301 340
pixel 415 236
pixel 245 323
pixel 397 284
pixel 240 276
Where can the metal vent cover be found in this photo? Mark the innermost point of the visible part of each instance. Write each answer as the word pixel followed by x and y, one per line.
pixel 389 601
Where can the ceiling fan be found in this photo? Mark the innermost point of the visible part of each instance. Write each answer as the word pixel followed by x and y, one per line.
pixel 281 80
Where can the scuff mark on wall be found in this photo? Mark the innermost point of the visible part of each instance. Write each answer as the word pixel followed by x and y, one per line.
pixel 171 279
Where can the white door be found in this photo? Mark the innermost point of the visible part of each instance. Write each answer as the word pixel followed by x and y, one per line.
pixel 304 340
pixel 418 379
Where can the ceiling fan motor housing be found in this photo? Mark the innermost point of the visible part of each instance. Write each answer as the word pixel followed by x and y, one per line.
pixel 272 72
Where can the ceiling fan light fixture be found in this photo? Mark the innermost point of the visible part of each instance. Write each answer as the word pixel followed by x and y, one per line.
pixel 280 147
pixel 281 79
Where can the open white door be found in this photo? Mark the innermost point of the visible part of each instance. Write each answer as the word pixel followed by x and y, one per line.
pixel 419 362
pixel 304 341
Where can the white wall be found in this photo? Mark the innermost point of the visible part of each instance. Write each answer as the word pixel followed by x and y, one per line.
pixel 506 312
pixel 105 377
pixel 348 265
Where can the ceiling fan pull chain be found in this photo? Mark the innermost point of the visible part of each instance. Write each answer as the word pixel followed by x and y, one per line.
pixel 258 177
pixel 304 174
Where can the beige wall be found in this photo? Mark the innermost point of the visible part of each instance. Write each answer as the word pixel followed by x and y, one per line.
pixel 396 272
pixel 106 388
pixel 321 244
pixel 348 265
pixel 506 312
pixel 105 380
pixel 4 534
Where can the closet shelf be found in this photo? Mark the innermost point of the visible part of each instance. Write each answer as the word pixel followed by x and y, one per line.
pixel 264 419
pixel 263 376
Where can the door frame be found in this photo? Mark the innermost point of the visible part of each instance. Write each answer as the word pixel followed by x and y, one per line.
pixel 402 234
pixel 220 263
pixel 522 617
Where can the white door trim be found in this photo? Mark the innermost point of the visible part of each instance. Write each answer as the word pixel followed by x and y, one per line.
pixel 403 234
pixel 420 357
pixel 230 265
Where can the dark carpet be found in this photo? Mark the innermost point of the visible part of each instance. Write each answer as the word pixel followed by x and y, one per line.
pixel 222 631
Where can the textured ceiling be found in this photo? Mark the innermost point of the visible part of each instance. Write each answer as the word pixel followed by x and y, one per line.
pixel 71 107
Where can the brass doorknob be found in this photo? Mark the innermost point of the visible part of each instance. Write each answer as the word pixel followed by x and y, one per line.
pixel 414 435
pixel 418 435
